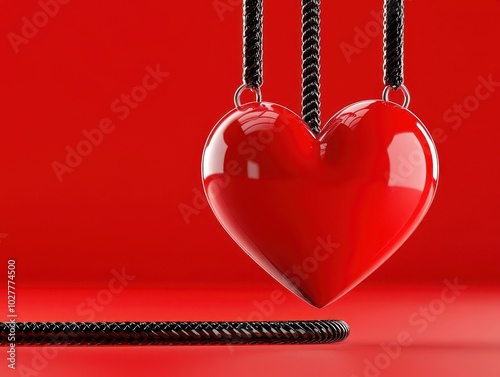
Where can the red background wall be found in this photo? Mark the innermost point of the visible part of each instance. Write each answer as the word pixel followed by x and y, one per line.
pixel 119 206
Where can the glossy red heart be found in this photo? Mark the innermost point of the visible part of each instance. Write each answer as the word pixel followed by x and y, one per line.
pixel 320 213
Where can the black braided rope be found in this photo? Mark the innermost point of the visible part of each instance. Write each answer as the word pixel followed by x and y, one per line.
pixel 311 63
pixel 173 333
pixel 252 43
pixel 393 43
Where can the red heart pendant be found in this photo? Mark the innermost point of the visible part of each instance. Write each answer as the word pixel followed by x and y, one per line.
pixel 320 213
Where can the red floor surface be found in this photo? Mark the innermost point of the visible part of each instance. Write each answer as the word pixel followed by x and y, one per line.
pixel 395 331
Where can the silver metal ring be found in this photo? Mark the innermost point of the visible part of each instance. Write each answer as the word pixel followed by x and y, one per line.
pixel 237 95
pixel 404 89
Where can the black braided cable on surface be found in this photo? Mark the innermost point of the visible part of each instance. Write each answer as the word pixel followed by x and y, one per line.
pixel 393 43
pixel 311 63
pixel 252 43
pixel 173 333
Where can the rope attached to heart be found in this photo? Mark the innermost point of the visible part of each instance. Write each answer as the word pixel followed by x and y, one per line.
pixel 278 183
pixel 253 54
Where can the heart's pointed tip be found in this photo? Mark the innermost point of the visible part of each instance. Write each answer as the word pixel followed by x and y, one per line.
pixel 318 304
pixel 322 302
